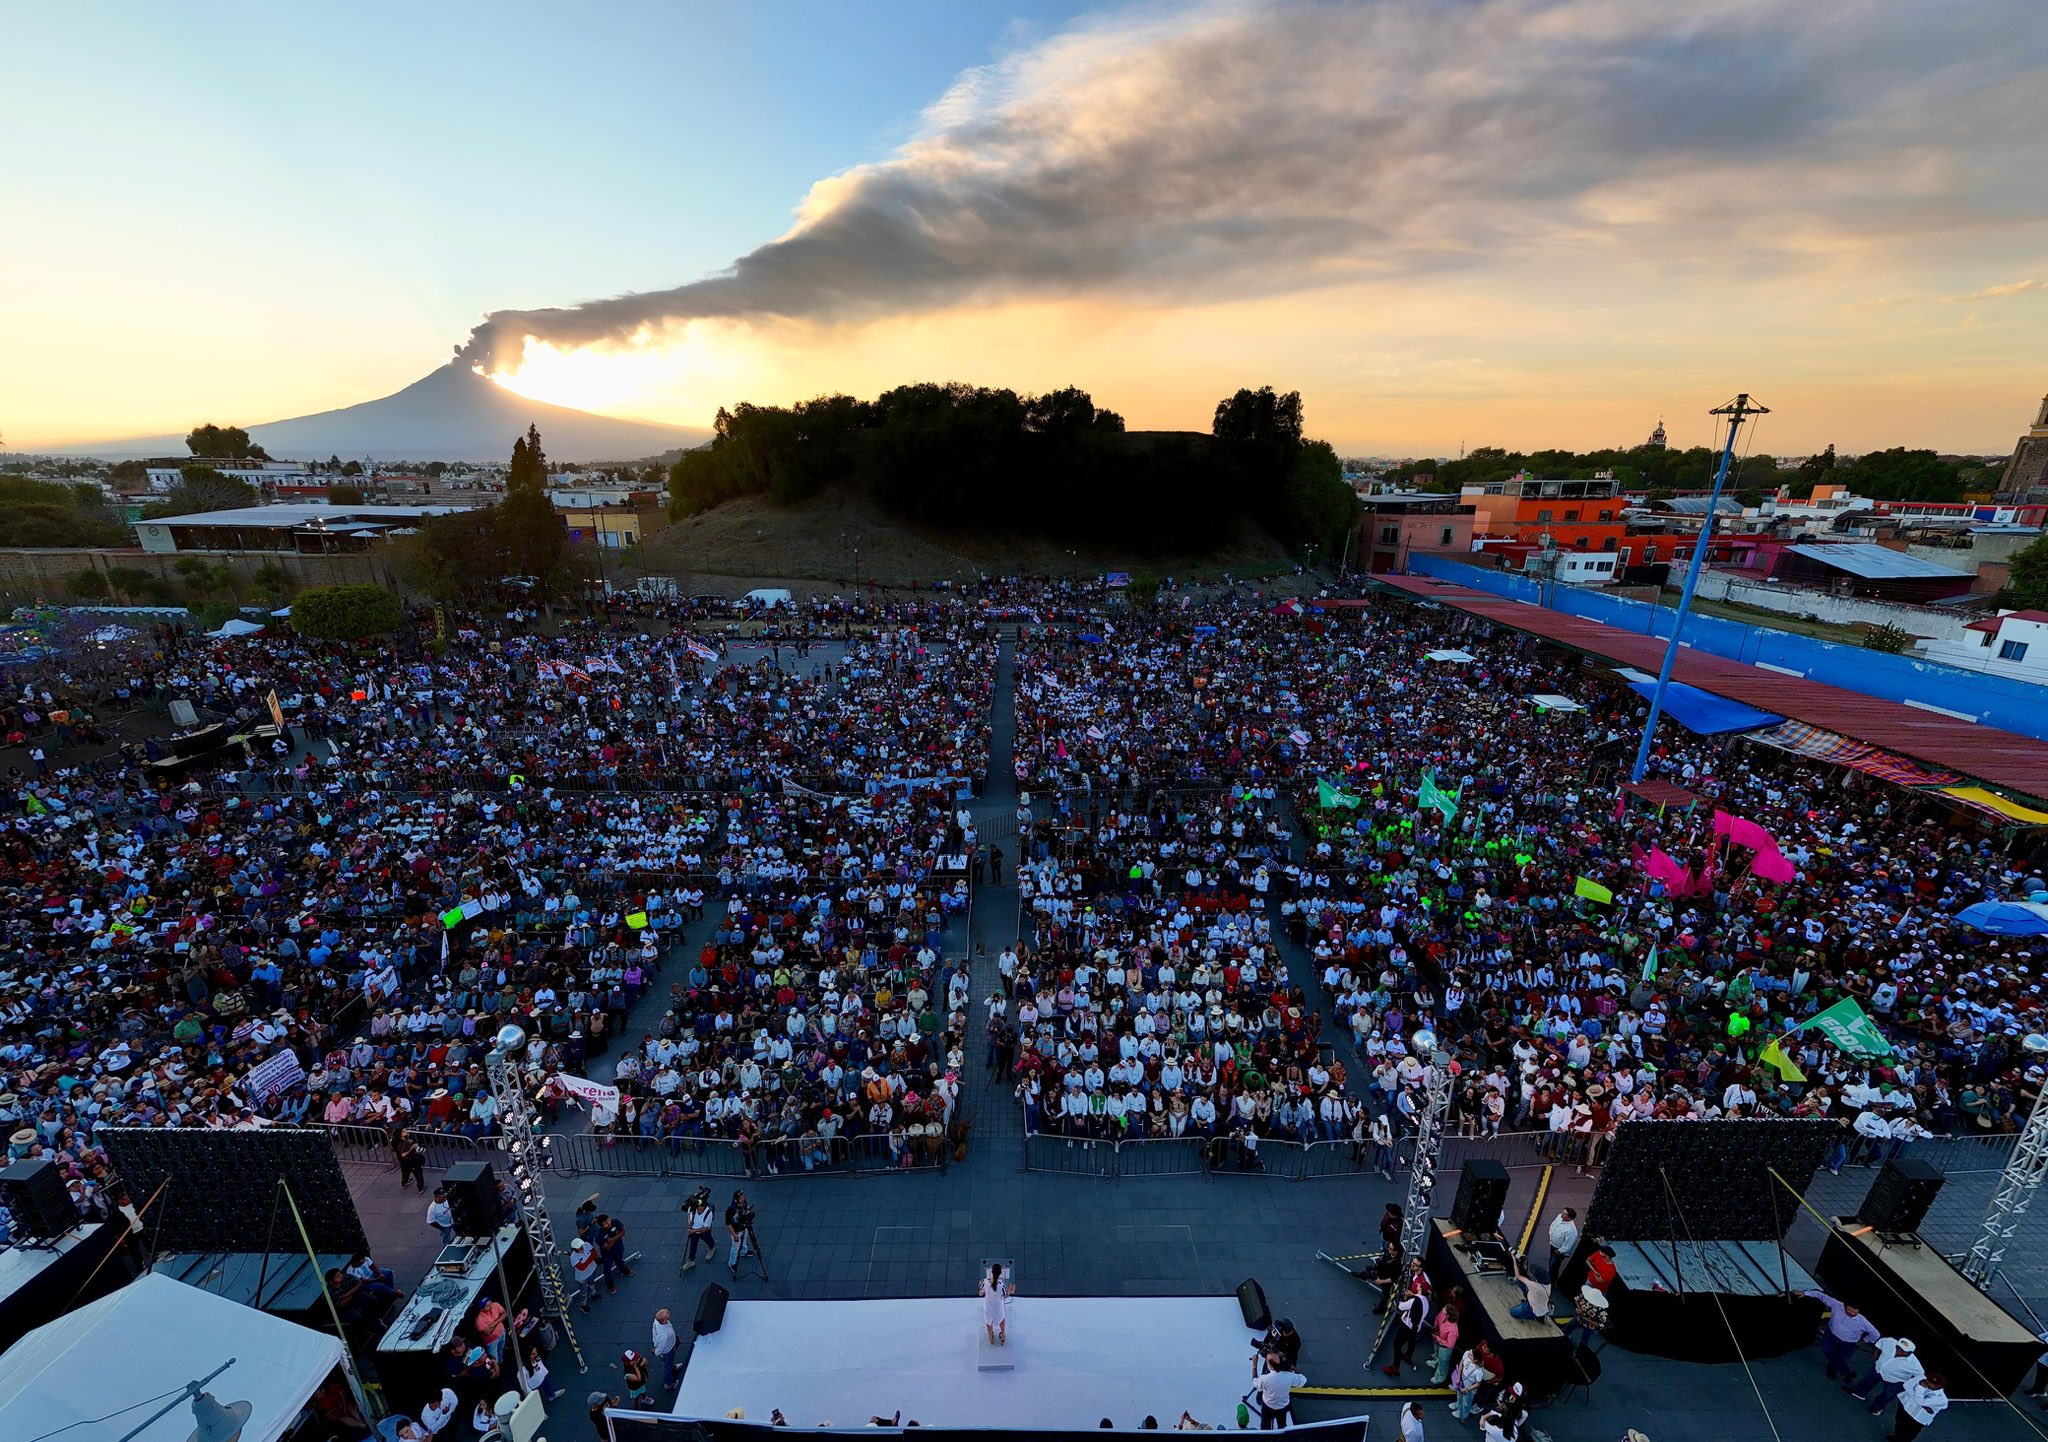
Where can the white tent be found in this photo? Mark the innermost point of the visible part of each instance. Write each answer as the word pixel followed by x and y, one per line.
pixel 149 1340
pixel 1550 701
pixel 1459 657
pixel 237 627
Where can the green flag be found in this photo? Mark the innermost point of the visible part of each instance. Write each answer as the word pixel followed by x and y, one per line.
pixel 1433 795
pixel 1846 1025
pixel 1650 964
pixel 451 918
pixel 1330 798
pixel 1592 890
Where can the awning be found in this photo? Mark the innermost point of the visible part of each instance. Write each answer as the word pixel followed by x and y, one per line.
pixel 147 1341
pixel 2006 918
pixel 1459 656
pixel 1997 805
pixel 1703 711
pixel 1550 701
pixel 1659 792
pixel 236 627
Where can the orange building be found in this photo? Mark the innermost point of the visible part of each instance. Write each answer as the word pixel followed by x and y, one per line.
pixel 1577 515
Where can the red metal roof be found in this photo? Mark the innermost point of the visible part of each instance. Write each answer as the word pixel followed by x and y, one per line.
pixel 1984 752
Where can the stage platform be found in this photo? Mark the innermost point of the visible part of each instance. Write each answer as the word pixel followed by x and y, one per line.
pixel 1077 1360
pixel 1683 1301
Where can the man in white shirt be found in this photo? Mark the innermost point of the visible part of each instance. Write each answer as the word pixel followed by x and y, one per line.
pixel 665 1348
pixel 1898 1362
pixel 1920 1402
pixel 1275 1389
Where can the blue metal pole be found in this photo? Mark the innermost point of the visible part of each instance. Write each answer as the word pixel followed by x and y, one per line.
pixel 1736 411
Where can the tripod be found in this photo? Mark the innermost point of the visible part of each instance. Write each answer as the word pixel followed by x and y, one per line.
pixel 750 1243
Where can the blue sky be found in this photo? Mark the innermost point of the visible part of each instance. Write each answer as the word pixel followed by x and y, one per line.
pixel 1521 222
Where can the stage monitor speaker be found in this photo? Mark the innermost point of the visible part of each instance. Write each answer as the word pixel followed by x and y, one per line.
pixel 1482 1193
pixel 1898 1200
pixel 34 1194
pixel 1251 1300
pixel 711 1310
pixel 473 1198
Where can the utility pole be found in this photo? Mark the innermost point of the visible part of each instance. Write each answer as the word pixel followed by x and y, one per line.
pixel 1737 411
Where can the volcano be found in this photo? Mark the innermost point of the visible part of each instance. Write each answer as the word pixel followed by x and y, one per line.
pixel 453 414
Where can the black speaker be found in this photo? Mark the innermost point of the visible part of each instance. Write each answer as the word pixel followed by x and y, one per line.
pixel 1482 1192
pixel 711 1310
pixel 1251 1300
pixel 473 1198
pixel 1898 1200
pixel 34 1194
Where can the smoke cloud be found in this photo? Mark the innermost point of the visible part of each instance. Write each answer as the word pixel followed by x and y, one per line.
pixel 1232 150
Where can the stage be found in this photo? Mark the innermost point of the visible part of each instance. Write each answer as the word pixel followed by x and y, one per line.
pixel 1075 1360
pixel 1682 1301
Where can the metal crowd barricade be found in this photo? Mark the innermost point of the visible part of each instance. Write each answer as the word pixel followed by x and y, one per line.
pixel 571 1154
pixel 356 1142
pixel 1964 1154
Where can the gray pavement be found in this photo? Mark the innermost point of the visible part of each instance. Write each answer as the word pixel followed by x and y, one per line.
pixel 923 1235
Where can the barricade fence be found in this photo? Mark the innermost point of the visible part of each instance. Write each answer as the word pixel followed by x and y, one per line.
pixel 600 1154
pixel 1190 1156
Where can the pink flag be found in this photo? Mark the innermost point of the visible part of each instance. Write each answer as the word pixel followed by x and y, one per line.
pixel 1661 866
pixel 1743 833
pixel 1773 865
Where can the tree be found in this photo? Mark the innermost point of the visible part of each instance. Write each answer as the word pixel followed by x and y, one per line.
pixel 529 528
pixel 204 578
pixel 136 584
pixel 351 468
pixel 49 513
pixel 1902 475
pixel 1815 469
pixel 341 495
pixel 223 443
pixel 346 613
pixel 90 586
pixel 272 580
pixel 128 475
pixel 202 489
pixel 1887 638
pixel 436 469
pixel 2026 582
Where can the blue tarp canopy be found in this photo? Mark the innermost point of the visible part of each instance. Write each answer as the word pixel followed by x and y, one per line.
pixel 2006 918
pixel 1703 711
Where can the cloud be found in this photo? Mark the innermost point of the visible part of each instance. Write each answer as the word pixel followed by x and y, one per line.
pixel 1997 292
pixel 1235 150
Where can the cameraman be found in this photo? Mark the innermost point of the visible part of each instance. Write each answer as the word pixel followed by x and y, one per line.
pixel 739 1225
pixel 698 1217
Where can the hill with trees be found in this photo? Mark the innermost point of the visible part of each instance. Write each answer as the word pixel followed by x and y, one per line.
pixel 971 460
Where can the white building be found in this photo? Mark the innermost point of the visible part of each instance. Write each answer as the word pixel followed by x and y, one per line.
pixel 2012 643
pixel 1578 568
pixel 256 473
pixel 301 528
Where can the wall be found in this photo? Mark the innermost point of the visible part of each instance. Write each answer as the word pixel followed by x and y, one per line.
pixel 1991 700
pixel 1824 606
pixel 45 575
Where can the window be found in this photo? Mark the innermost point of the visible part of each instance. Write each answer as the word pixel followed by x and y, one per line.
pixel 1572 514
pixel 1607 515
pixel 1389 535
pixel 1444 537
pixel 1543 518
pixel 2012 651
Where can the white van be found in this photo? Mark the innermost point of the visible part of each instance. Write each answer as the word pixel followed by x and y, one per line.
pixel 767 598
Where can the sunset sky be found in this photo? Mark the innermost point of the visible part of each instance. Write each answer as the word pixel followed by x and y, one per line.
pixel 1446 224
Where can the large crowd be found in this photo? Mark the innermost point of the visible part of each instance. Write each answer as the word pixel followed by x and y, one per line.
pixel 1259 849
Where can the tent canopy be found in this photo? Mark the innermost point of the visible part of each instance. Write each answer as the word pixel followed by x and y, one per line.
pixel 152 1338
pixel 236 627
pixel 1459 657
pixel 1703 711
pixel 2006 918
pixel 1551 701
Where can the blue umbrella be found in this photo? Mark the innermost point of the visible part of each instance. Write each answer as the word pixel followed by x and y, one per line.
pixel 2006 918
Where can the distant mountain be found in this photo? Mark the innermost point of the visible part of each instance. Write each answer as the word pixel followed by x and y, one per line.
pixel 454 414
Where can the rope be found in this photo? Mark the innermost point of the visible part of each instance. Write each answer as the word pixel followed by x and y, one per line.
pixel 94 1421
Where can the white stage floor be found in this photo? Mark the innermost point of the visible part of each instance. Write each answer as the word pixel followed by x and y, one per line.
pixel 1077 1360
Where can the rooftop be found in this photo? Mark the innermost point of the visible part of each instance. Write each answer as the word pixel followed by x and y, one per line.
pixel 1876 563
pixel 304 513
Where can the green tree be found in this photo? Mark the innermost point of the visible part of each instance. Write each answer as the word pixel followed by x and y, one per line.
pixel 90 586
pixel 351 468
pixel 2026 583
pixel 49 513
pixel 456 556
pixel 204 578
pixel 346 613
pixel 436 469
pixel 1320 508
pixel 1902 475
pixel 135 584
pixel 528 526
pixel 223 443
pixel 128 475
pixel 272 580
pixel 343 495
pixel 1887 638
pixel 202 489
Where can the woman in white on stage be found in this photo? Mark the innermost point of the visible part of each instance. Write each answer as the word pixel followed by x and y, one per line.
pixel 996 1291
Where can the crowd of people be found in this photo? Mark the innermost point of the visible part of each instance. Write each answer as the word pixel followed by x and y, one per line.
pixel 384 896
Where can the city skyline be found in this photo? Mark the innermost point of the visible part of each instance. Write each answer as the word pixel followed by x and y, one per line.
pixel 1447 225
